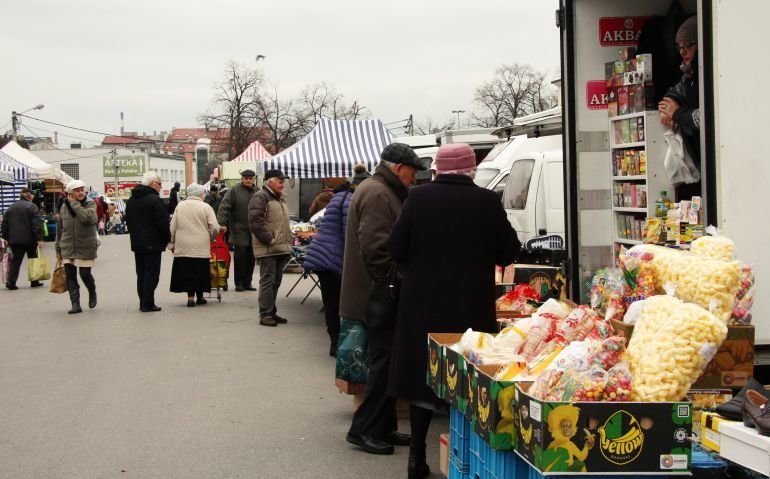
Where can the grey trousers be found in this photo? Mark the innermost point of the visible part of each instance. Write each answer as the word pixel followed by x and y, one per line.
pixel 270 276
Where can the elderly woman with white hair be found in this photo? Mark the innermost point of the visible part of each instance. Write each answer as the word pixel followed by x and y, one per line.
pixel 193 227
pixel 77 242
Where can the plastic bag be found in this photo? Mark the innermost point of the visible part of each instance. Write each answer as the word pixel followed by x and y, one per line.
pixel 544 385
pixel 576 326
pixel 522 299
pixel 607 353
pixel 39 269
pixel 474 341
pixel 638 274
pixel 714 245
pixel 514 336
pixel 352 352
pixel 586 385
pixel 607 293
pixel 678 164
pixel 619 383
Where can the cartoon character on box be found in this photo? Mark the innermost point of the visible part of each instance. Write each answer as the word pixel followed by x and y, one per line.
pixel 506 403
pixel 483 408
pixel 563 426
pixel 433 364
pixel 525 431
pixel 451 379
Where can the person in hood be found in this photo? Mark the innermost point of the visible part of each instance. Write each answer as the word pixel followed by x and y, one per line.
pixel 148 225
pixel 77 242
pixel 680 107
pixel 270 227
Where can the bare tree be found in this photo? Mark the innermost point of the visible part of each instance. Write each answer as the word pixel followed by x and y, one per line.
pixel 430 127
pixel 233 107
pixel 285 121
pixel 516 90
pixel 321 100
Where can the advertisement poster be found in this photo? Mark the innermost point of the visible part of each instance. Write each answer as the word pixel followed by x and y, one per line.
pixel 128 165
pixel 596 94
pixel 620 31
pixel 124 189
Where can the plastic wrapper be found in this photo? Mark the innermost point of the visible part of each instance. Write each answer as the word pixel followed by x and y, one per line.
pixel 709 283
pixel 522 299
pixel 587 385
pixel 545 384
pixel 538 364
pixel 671 345
pixel 513 337
pixel 638 274
pixel 744 299
pixel 619 383
pixel 607 293
pixel 576 326
pixel 652 229
pixel 714 246
pixel 607 353
pixel 474 342
pixel 602 330
pixel 633 312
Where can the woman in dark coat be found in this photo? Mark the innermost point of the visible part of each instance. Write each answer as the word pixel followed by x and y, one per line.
pixel 447 241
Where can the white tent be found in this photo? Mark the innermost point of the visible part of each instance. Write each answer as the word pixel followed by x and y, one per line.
pixel 44 171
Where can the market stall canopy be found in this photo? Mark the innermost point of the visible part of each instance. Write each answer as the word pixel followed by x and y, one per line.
pixel 332 149
pixel 13 177
pixel 254 152
pixel 43 170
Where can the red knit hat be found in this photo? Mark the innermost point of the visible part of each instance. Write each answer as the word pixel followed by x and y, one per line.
pixel 455 158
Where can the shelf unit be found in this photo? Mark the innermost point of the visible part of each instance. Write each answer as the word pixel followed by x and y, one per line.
pixel 637 151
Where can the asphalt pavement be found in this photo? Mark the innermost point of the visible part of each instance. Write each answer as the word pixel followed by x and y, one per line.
pixel 202 392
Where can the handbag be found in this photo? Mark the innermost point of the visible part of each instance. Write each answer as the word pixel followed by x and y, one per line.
pixel 39 269
pixel 352 353
pixel 58 279
pixel 382 307
pixel 6 265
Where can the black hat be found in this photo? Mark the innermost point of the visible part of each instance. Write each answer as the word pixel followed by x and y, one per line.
pixel 404 154
pixel 274 174
pixel 248 173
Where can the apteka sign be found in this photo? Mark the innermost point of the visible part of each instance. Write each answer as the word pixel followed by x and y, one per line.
pixel 620 31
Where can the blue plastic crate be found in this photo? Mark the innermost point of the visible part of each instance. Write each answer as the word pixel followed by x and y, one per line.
pixel 459 438
pixel 458 471
pixel 458 422
pixel 503 464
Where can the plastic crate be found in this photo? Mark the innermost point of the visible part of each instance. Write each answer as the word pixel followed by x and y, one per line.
pixel 458 471
pixel 460 433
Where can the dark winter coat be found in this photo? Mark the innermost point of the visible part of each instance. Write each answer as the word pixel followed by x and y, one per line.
pixel 148 221
pixel 687 116
pixel 269 223
pixel 22 224
pixel 76 230
pixel 327 250
pixel 233 212
pixel 447 240
pixel 173 200
pixel 371 215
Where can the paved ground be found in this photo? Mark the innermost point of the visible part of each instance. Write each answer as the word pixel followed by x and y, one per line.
pixel 199 392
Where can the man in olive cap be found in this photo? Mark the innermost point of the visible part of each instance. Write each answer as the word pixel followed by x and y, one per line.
pixel 233 216
pixel 371 215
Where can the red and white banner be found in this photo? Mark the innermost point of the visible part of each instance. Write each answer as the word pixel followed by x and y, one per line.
pixel 124 189
pixel 620 31
pixel 596 94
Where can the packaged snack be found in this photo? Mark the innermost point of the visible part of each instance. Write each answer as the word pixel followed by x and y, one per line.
pixel 545 383
pixel 638 275
pixel 576 326
pixel 588 385
pixel 652 228
pixel 714 246
pixel 619 383
pixel 607 353
pixel 522 299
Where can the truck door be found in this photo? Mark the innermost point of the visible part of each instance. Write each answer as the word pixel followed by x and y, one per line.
pixel 519 197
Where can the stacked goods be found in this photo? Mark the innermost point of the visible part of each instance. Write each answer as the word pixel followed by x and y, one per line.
pixel 710 283
pixel 671 345
pixel 522 301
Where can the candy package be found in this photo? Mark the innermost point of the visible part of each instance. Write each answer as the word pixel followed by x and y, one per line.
pixel 607 293
pixel 523 299
pixel 619 383
pixel 587 385
pixel 607 353
pixel 545 384
pixel 576 326
pixel 638 274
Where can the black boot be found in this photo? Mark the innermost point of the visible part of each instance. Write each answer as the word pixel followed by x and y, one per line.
pixel 73 287
pixel 88 280
pixel 417 468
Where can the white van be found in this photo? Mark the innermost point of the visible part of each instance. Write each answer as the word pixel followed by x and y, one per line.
pixel 493 170
pixel 533 197
pixel 426 147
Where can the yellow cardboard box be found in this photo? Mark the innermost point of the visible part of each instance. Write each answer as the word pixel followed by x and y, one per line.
pixel 710 436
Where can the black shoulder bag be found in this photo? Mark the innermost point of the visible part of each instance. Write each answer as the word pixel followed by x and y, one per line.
pixel 382 306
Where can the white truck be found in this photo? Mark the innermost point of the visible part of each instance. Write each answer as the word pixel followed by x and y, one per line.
pixel 733 108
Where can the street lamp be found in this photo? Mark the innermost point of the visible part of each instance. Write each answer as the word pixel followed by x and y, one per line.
pixel 458 116
pixel 15 120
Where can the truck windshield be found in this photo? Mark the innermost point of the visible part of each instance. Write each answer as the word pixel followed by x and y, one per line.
pixel 517 187
pixel 484 176
pixel 495 151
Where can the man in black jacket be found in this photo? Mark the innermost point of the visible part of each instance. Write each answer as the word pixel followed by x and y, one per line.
pixel 22 228
pixel 148 225
pixel 233 215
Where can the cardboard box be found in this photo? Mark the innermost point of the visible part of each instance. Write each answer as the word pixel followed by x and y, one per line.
pixel 346 387
pixel 705 400
pixel 494 408
pixel 627 437
pixel 455 382
pixel 710 435
pixel 542 278
pixel 733 364
pixel 443 454
pixel 435 376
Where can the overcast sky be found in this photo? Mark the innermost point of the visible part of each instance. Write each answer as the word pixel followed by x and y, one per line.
pixel 156 61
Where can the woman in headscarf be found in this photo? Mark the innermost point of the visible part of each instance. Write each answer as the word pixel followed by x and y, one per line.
pixel 77 242
pixel 193 227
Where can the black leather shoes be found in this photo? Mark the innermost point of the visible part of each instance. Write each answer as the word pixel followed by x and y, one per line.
pixel 249 288
pixel 400 439
pixel 280 320
pixel 732 409
pixel 11 286
pixel 35 284
pixel 370 444
pixel 239 288
pixel 150 309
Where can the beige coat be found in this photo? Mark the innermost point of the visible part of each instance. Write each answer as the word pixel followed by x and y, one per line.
pixel 269 224
pixel 193 227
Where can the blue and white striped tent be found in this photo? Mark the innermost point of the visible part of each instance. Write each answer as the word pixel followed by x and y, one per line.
pixel 332 149
pixel 13 177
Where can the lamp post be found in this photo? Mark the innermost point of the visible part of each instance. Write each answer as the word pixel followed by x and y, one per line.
pixel 15 119
pixel 458 116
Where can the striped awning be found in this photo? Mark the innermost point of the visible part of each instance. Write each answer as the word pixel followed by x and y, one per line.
pixel 332 149
pixel 254 152
pixel 12 170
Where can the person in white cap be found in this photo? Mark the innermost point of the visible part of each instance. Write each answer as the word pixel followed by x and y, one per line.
pixel 77 242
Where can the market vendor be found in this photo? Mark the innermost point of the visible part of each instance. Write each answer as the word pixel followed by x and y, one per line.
pixel 680 107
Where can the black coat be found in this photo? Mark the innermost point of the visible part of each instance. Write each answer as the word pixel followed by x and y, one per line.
pixel 22 224
pixel 448 239
pixel 148 221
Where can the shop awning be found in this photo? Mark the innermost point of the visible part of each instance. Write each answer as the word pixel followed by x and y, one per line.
pixel 43 170
pixel 331 150
pixel 254 152
pixel 13 177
